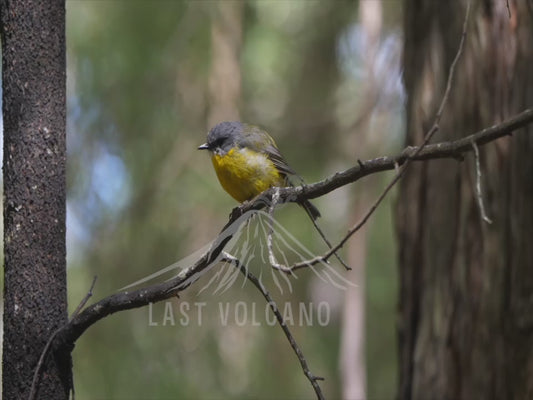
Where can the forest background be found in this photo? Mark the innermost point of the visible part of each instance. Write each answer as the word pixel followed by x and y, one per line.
pixel 146 80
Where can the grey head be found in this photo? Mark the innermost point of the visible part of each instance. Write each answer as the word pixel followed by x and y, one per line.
pixel 223 137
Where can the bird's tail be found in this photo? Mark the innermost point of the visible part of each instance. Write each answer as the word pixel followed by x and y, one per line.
pixel 311 210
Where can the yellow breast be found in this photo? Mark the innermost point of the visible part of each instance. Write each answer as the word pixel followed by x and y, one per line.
pixel 244 173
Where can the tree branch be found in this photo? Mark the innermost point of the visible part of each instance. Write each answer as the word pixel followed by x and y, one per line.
pixel 479 192
pixel 400 171
pixel 450 149
pixel 273 306
pixel 162 291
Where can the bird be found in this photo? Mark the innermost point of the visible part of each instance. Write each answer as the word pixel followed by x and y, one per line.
pixel 247 162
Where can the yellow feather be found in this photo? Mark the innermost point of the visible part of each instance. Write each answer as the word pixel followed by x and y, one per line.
pixel 245 173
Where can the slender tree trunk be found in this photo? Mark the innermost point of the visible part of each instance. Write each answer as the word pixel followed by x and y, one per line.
pixel 225 71
pixel 353 340
pixel 33 74
pixel 352 348
pixel 466 309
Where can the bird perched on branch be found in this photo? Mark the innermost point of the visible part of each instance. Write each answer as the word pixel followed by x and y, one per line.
pixel 248 162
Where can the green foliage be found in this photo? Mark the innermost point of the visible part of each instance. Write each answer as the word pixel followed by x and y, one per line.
pixel 142 197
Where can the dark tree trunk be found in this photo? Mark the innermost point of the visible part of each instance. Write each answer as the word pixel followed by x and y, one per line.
pixel 35 302
pixel 466 304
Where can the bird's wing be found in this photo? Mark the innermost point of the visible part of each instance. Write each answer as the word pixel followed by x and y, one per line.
pixel 260 141
pixel 275 156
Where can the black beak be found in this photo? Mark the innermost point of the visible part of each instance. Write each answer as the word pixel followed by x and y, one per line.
pixel 205 146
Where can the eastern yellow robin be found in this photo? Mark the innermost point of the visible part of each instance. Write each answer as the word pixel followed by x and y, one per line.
pixel 248 162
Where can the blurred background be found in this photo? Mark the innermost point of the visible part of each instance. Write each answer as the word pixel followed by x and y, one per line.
pixel 146 80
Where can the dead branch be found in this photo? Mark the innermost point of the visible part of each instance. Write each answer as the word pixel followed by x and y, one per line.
pixel 162 291
pixel 273 306
pixel 479 192
pixel 400 171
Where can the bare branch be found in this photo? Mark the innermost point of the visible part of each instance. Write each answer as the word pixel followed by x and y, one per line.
pixel 84 300
pixel 37 373
pixel 479 193
pixel 450 149
pixel 328 243
pixel 273 306
pixel 162 291
pixel 400 172
pixel 451 73
pixel 158 292
pixel 271 256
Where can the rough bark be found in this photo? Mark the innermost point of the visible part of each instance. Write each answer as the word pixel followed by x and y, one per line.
pixel 35 302
pixel 466 310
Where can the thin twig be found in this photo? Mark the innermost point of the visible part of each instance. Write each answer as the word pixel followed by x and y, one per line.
pixel 508 9
pixel 84 300
pixel 479 193
pixel 434 128
pixel 37 373
pixel 396 167
pixel 274 263
pixel 328 243
pixel 323 236
pixel 273 306
pixel 354 229
pixel 271 256
pixel 451 72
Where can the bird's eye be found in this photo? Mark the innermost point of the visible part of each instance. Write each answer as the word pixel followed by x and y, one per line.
pixel 217 143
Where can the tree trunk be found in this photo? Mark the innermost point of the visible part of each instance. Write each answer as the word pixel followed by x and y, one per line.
pixel 33 73
pixel 225 71
pixel 466 309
